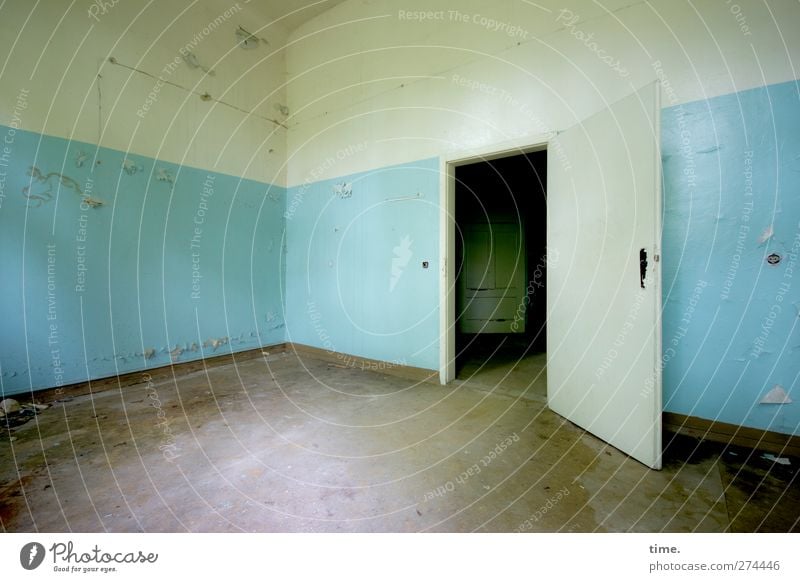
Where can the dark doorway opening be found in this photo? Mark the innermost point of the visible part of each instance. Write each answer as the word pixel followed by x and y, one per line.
pixel 501 261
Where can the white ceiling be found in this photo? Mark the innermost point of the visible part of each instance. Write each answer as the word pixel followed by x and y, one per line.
pixel 290 14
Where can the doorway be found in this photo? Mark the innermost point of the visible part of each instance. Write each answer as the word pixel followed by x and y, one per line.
pixel 501 269
pixel 604 289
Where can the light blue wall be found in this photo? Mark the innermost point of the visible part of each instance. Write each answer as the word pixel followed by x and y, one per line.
pixel 731 326
pixel 355 281
pixel 137 260
pixel 718 360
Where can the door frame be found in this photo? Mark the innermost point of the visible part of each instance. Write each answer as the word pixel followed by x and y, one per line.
pixel 447 233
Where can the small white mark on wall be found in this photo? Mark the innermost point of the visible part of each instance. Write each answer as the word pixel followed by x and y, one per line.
pixel 80 159
pixel 768 233
pixel 402 255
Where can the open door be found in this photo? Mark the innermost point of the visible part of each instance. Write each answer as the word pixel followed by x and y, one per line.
pixel 604 291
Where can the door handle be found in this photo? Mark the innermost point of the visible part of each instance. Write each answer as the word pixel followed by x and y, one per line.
pixel 642 266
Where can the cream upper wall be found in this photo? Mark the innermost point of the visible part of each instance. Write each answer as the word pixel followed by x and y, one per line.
pixel 364 78
pixel 367 76
pixel 54 50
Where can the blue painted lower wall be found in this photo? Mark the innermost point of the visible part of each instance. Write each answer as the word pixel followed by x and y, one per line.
pixel 731 329
pixel 355 277
pixel 177 263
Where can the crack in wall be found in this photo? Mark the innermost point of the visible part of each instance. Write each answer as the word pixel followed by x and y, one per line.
pixel 203 95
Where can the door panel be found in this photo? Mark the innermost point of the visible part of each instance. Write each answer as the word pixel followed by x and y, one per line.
pixel 603 328
pixel 494 308
pixel 508 260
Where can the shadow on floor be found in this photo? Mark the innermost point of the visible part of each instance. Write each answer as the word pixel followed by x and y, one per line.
pixel 507 364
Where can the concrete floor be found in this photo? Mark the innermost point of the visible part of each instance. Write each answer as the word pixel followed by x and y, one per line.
pixel 286 444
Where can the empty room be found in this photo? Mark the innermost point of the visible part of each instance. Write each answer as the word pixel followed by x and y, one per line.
pixel 375 266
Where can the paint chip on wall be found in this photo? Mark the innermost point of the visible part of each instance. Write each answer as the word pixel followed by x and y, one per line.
pixel 343 190
pixel 214 343
pixel 164 175
pixel 92 202
pixel 776 396
pixel 248 41
pixel 191 59
pixel 130 167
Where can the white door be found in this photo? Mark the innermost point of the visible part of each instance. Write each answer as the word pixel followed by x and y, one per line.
pixel 603 318
pixel 492 283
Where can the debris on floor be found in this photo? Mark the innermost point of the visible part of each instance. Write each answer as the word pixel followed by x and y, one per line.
pixel 774 459
pixel 14 414
pixel 9 405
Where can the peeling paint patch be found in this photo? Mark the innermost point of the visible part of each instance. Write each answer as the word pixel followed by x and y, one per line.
pixel 343 190
pixel 46 185
pixel 214 343
pixel 93 202
pixel 80 159
pixel 176 353
pixel 164 175
pixel 131 167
